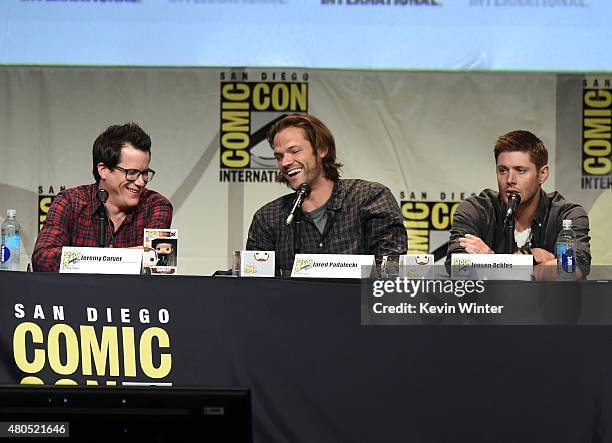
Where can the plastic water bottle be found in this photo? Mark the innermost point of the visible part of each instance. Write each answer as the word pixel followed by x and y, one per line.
pixel 11 242
pixel 565 250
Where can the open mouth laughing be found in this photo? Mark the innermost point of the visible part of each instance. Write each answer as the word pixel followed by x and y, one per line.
pixel 134 191
pixel 293 172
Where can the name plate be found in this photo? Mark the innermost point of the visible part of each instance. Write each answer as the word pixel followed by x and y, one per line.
pixel 491 267
pixel 257 263
pixel 77 260
pixel 333 266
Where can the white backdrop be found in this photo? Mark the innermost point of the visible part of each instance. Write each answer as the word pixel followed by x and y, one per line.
pixel 427 136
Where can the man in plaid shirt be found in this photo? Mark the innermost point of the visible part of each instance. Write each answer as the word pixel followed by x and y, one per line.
pixel 121 157
pixel 338 216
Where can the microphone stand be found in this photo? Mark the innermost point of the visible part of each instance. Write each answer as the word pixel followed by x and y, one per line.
pixel 510 226
pixel 509 223
pixel 296 215
pixel 102 218
pixel 297 233
pixel 102 227
pixel 302 192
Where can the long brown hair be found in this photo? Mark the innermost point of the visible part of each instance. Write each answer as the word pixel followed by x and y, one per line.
pixel 319 136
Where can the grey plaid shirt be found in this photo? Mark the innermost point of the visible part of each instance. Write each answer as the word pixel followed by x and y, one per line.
pixel 363 218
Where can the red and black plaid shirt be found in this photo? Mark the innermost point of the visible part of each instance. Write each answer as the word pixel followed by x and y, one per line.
pixel 73 221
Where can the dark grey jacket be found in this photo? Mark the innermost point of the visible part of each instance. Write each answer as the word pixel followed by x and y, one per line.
pixel 483 216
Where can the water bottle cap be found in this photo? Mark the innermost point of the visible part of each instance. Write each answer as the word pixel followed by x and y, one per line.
pixel 11 213
pixel 567 224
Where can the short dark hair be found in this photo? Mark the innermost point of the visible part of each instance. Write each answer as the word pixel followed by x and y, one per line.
pixel 107 147
pixel 523 141
pixel 319 136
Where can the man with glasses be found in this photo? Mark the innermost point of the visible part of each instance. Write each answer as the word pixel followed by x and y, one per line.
pixel 121 157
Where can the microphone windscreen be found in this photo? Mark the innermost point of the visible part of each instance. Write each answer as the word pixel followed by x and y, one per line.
pixel 304 189
pixel 102 195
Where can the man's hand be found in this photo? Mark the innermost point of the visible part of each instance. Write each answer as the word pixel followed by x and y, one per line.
pixel 474 245
pixel 546 268
pixel 547 265
pixel 545 272
pixel 542 256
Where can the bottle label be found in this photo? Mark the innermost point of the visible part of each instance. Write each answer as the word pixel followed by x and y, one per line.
pixel 566 258
pixel 568 261
pixel 10 253
pixel 5 254
pixel 13 242
pixel 560 250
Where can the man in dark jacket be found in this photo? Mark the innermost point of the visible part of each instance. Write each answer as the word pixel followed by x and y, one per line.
pixel 522 167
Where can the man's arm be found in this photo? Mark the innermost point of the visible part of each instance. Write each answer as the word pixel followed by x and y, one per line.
pixel 467 221
pixel 385 233
pixel 160 213
pixel 53 236
pixel 261 235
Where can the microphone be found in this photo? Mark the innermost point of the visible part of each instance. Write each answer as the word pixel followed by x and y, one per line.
pixel 302 192
pixel 513 201
pixel 102 196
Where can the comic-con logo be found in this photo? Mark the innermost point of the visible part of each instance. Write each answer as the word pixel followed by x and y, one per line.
pixel 428 223
pixel 71 259
pixel 248 110
pixel 596 133
pixel 44 203
pixel 303 264
pixel 99 345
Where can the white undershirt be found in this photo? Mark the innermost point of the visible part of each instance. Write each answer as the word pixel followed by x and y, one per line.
pixel 522 237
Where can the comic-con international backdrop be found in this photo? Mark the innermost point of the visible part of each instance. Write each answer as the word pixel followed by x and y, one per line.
pixel 427 136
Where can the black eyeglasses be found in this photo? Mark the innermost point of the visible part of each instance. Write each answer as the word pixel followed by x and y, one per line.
pixel 133 174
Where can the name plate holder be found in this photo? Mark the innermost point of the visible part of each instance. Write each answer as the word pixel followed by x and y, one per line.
pixel 80 260
pixel 257 263
pixel 333 266
pixel 491 267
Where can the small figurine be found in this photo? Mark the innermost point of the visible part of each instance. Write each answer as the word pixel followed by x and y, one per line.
pixel 149 257
pixel 164 251
pixel 261 256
